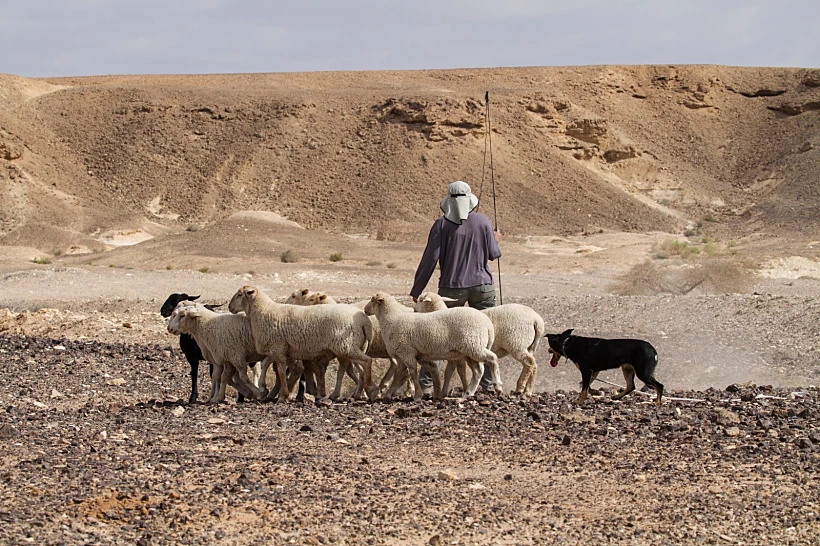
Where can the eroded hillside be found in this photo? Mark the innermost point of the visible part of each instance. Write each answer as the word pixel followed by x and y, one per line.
pixel 623 148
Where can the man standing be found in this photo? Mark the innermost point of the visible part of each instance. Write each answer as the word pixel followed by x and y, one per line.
pixel 461 242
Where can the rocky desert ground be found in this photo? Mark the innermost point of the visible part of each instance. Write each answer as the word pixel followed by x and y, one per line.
pixel 677 204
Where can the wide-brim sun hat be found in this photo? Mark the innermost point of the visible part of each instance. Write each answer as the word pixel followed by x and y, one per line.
pixel 459 202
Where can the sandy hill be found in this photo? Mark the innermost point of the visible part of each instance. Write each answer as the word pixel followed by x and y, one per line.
pixel 87 163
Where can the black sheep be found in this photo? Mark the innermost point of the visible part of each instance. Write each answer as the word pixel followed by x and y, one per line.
pixel 192 352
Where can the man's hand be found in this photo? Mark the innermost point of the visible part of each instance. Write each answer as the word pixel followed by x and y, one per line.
pixel 415 299
pixel 497 234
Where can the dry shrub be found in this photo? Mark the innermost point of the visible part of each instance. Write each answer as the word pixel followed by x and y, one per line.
pixel 712 275
pixel 720 276
pixel 644 279
pixel 289 257
pixel 673 247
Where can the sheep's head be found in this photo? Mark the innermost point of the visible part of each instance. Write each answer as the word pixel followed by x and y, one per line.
pixel 318 298
pixel 243 299
pixel 181 316
pixel 299 297
pixel 376 303
pixel 429 302
pixel 172 301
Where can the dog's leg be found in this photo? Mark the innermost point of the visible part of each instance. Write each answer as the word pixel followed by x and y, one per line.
pixel 652 382
pixel 586 379
pixel 629 377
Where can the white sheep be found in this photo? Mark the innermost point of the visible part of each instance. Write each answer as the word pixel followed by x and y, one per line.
pixel 293 333
pixel 518 331
pixel 226 342
pixel 458 333
pixel 376 349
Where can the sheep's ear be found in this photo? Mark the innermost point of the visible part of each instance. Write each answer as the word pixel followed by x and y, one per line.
pixel 322 297
pixel 304 291
pixel 444 298
pixel 426 298
pixel 193 298
pixel 192 312
pixel 379 299
pixel 250 291
pixel 567 332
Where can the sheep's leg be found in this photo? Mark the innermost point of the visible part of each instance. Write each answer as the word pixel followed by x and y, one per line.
pixel 399 381
pixel 194 363
pixel 490 358
pixel 432 367
pixel 448 374
pixel 248 389
pixel 224 374
pixel 359 357
pixel 531 381
pixel 388 375
pixel 243 391
pixel 527 377
pixel 214 384
pixel 315 378
pixel 478 370
pixel 355 372
pixel 281 393
pixel 340 376
pixel 296 368
pixel 321 385
pixel 412 370
pixel 260 371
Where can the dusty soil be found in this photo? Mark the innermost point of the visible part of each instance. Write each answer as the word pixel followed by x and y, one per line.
pixel 99 448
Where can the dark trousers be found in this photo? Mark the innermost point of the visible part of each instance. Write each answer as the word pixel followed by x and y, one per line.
pixel 478 297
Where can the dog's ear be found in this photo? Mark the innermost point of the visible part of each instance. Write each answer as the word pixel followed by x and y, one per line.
pixel 567 332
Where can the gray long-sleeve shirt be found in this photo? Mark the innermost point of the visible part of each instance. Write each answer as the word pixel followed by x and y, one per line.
pixel 462 252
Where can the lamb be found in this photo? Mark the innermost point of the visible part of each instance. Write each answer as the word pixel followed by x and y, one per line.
pixel 376 349
pixel 518 330
pixel 292 333
pixel 226 342
pixel 458 333
pixel 189 347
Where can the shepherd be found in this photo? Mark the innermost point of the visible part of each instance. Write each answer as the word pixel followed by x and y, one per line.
pixel 461 242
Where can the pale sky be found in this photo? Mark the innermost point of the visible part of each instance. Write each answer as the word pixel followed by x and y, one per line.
pixel 87 37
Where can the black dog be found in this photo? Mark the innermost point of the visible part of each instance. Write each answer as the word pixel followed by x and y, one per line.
pixel 592 355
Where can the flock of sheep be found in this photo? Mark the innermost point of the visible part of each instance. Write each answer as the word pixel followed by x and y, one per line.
pixel 303 335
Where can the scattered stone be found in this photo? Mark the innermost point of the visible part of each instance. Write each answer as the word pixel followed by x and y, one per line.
pixel 447 474
pixel 56 394
pixel 116 382
pixel 8 431
pixel 35 403
pixel 306 428
pixel 732 432
pixel 178 411
pixel 216 421
pixel 565 441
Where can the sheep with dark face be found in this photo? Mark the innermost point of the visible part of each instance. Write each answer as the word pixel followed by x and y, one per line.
pixel 192 352
pixel 226 342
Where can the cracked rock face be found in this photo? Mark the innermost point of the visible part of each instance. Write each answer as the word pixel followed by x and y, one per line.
pixel 131 463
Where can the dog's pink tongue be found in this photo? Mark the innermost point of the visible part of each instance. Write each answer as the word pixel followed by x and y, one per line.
pixel 554 359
